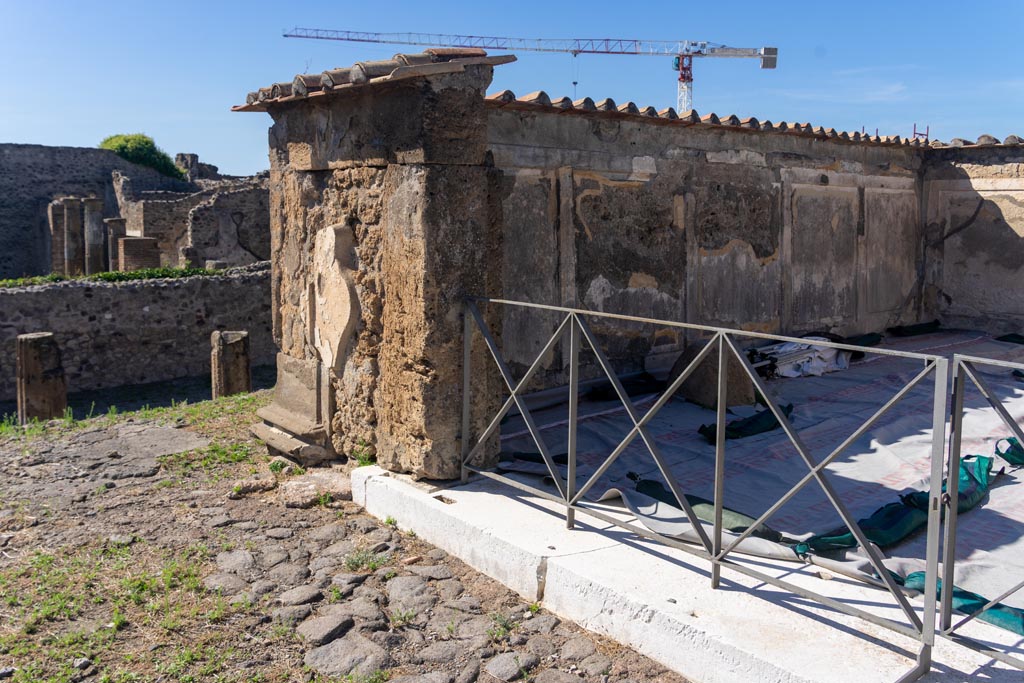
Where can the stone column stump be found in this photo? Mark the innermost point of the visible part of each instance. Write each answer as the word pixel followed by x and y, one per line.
pixel 55 216
pixel 229 363
pixel 41 385
pixel 74 238
pixel 95 237
pixel 116 229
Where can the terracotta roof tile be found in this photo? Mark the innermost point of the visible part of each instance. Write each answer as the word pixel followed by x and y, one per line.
pixel 444 60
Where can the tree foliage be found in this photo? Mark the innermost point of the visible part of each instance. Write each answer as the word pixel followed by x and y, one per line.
pixel 140 149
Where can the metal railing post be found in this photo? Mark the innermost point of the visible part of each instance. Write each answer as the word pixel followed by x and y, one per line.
pixel 952 493
pixel 467 386
pixel 574 390
pixel 941 370
pixel 720 408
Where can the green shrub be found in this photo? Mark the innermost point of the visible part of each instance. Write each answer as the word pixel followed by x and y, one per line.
pixel 140 149
pixel 112 276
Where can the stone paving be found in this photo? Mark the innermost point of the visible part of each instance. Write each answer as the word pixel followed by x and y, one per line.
pixel 361 599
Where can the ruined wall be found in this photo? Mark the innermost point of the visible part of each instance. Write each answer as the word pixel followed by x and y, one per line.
pixel 374 248
pixel 112 334
pixel 32 175
pixel 232 226
pixel 224 220
pixel 766 232
pixel 974 199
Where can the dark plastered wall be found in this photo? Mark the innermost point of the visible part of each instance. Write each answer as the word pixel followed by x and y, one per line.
pixel 765 232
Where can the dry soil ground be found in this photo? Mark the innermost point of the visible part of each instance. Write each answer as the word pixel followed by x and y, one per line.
pixel 156 546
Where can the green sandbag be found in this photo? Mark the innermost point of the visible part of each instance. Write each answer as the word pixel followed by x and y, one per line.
pixel 758 423
pixel 1014 452
pixel 733 521
pixel 966 602
pixel 974 483
pixel 1012 338
pixel 914 330
pixel 886 526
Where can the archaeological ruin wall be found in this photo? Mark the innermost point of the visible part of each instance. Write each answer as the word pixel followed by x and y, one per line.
pixel 974 208
pixel 31 176
pixel 398 189
pixel 115 334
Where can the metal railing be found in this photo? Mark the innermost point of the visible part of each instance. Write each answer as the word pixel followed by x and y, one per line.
pixel 575 329
pixel 965 368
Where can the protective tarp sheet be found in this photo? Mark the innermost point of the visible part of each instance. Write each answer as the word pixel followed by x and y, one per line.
pixel 890 460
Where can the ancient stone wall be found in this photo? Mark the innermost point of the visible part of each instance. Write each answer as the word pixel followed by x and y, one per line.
pixel 112 334
pixel 33 175
pixel 223 220
pixel 974 204
pixel 708 225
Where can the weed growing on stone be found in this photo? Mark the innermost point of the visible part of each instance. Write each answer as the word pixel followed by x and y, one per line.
pixel 364 559
pixel 391 521
pixel 362 455
pixel 534 607
pixel 400 618
pixel 324 499
pixel 276 466
pixel 378 676
pixel 501 628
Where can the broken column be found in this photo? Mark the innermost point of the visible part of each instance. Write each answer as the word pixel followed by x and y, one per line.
pixel 55 216
pixel 41 385
pixel 136 253
pixel 74 239
pixel 229 363
pixel 116 229
pixel 95 236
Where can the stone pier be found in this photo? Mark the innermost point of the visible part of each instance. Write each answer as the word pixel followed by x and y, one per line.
pixel 55 217
pixel 95 236
pixel 42 387
pixel 229 363
pixel 116 229
pixel 136 253
pixel 74 247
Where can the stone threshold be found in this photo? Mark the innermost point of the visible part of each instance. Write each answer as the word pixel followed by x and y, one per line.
pixel 658 600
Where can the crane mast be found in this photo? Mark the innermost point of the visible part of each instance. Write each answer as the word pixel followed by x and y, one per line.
pixel 682 51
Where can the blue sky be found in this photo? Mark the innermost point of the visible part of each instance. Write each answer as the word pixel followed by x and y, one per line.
pixel 73 72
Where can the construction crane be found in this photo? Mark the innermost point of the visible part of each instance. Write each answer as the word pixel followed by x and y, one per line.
pixel 682 52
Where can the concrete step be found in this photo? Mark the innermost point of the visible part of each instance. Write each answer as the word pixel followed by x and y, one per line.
pixel 306 454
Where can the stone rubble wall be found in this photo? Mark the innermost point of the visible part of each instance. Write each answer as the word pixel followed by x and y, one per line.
pixel 31 176
pixel 114 334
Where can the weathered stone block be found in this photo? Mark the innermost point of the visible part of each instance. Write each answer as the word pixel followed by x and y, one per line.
pixel 41 385
pixel 701 386
pixel 229 363
pixel 55 217
pixel 136 253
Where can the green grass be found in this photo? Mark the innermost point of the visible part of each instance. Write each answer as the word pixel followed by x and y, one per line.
pixel 113 276
pixel 364 559
pixel 362 455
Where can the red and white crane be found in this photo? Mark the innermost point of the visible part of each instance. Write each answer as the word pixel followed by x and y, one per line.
pixel 682 52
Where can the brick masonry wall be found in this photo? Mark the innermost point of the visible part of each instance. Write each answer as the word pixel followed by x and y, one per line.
pixel 114 334
pixel 31 175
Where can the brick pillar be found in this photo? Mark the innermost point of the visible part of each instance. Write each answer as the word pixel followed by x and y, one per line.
pixel 136 253
pixel 116 229
pixel 229 363
pixel 55 216
pixel 41 385
pixel 74 239
pixel 95 236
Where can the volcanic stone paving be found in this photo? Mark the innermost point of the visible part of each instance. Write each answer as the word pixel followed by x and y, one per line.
pixel 363 600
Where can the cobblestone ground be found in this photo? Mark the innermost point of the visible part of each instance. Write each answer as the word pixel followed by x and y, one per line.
pixel 161 546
